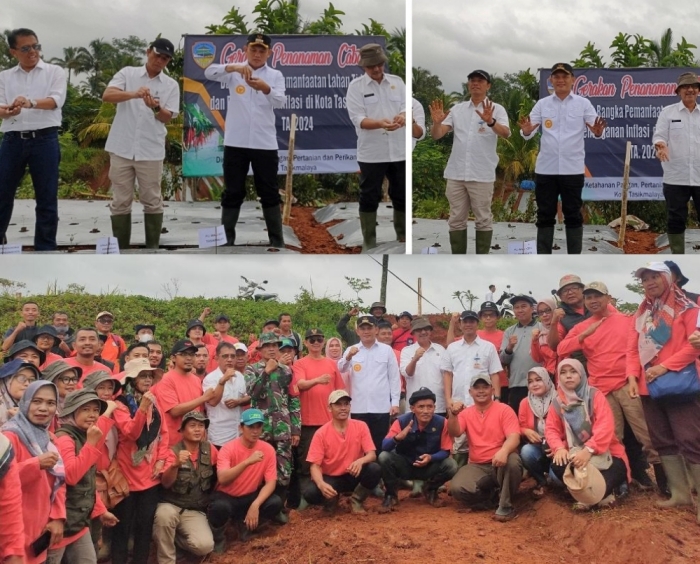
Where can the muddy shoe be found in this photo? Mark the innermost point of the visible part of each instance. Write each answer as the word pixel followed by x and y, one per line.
pixel 504 514
pixel 388 504
pixel 243 532
pixel 433 498
pixel 581 507
pixel 418 489
pixel 539 491
pixel 331 505
pixel 282 518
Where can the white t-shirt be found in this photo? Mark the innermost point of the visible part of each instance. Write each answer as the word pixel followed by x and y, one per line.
pixel 224 421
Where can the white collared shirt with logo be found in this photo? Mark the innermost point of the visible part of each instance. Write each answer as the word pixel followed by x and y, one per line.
pixel 43 81
pixel 250 116
pixel 426 374
pixel 367 98
pixel 473 157
pixel 135 133
pixel 374 378
pixel 466 360
pixel 679 128
pixel 563 126
pixel 223 422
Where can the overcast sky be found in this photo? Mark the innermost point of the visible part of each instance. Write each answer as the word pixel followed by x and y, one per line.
pixel 213 276
pixel 64 23
pixel 453 37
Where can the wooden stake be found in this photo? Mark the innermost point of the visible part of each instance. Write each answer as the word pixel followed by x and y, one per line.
pixel 290 169
pixel 420 296
pixel 625 190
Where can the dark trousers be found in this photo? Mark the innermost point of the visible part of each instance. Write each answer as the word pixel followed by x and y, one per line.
pixel 301 471
pixel 674 427
pixel 515 396
pixel 371 179
pixel 369 478
pixel 224 507
pixel 237 161
pixel 548 189
pixel 396 467
pixel 677 198
pixel 378 424
pixel 42 155
pixel 614 476
pixel 136 514
pixel 536 462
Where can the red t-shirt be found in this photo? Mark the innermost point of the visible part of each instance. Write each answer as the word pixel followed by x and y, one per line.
pixel 233 453
pixel 487 431
pixel 314 401
pixel 334 451
pixel 496 339
pixel 173 390
pixel 113 348
pixel 87 370
pixel 50 358
pixel 401 338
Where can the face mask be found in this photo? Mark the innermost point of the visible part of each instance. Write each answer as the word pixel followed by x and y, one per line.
pixel 145 338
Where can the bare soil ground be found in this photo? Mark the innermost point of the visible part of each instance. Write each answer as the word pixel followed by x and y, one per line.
pixel 314 237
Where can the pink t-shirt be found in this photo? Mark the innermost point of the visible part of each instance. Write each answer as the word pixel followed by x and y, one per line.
pixel 233 453
pixel 334 451
pixel 173 390
pixel 314 401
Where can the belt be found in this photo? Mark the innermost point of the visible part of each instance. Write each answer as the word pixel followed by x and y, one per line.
pixel 32 134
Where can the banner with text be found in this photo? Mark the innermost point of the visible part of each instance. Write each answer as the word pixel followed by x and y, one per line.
pixel 317 70
pixel 630 100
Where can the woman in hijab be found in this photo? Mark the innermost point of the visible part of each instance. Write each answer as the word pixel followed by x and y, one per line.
pixel 66 378
pixel 106 387
pixel 78 440
pixel 334 350
pixel 15 377
pixel 141 453
pixel 540 351
pixel 663 324
pixel 40 468
pixel 532 415
pixel 12 530
pixel 580 430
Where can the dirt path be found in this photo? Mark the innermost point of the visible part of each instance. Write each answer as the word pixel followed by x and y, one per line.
pixel 314 237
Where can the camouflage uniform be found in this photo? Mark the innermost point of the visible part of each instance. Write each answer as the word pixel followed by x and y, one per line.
pixel 271 394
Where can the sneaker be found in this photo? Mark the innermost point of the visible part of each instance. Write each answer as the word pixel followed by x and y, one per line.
pixel 503 515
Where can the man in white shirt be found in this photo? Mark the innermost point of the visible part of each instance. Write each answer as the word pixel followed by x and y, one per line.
pixel 223 409
pixel 471 168
pixel 377 107
pixel 250 138
pixel 490 294
pixel 31 97
pixel 420 363
pixel 147 99
pixel 677 147
pixel 374 378
pixel 560 166
pixel 418 115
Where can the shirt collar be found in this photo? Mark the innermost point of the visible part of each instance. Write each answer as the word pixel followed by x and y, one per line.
pixel 476 341
pixel 533 321
pixel 40 65
pixel 144 72
pixel 368 79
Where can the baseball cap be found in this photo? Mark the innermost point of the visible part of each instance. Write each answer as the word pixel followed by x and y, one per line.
pixel 654 266
pixel 183 345
pixel 565 281
pixel 240 347
pixel 681 280
pixel 104 314
pixel 222 317
pixel 469 315
pixel 163 46
pixel 563 67
pixel 596 287
pixel 287 343
pixel 489 306
pixel 366 320
pixel 314 333
pixel 259 39
pixel 405 314
pixel 482 73
pixel 337 395
pixel 251 417
pixel 194 414
pixel 480 378
pixel 523 298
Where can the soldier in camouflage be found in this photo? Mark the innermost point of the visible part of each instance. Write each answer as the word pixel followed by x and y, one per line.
pixel 269 385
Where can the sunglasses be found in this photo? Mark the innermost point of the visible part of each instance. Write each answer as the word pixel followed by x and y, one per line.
pixel 30 48
pixel 315 340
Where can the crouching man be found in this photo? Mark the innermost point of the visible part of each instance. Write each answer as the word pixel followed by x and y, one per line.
pixel 417 448
pixel 187 481
pixel 493 434
pixel 247 476
pixel 342 457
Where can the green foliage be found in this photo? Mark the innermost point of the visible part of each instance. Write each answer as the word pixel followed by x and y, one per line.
pixel 652 212
pixel 6 60
pixel 358 285
pixel 328 24
pixel 630 51
pixel 432 209
pixel 429 162
pixel 589 57
pixel 426 87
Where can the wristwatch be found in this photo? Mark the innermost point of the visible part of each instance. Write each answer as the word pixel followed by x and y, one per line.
pixel 156 109
pixel 492 123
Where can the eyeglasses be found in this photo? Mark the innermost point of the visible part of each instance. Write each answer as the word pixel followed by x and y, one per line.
pixel 544 312
pixel 106 320
pixel 22 379
pixel 146 375
pixel 315 340
pixel 571 289
pixel 68 379
pixel 29 48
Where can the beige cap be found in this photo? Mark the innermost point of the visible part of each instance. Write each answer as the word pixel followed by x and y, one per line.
pixel 596 287
pixel 103 313
pixel 568 279
pixel 337 395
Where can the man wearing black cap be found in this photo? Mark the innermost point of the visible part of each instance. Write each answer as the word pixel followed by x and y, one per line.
pixel 144 333
pixel 250 138
pixel 376 104
pixel 402 336
pixel 222 325
pixel 147 99
pixel 488 316
pixel 417 448
pixel 350 337
pixel 678 150
pixel 559 172
pixel 471 169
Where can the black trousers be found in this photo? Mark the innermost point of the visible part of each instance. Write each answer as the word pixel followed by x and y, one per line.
pixel 677 198
pixel 136 513
pixel 548 189
pixel 614 476
pixel 237 161
pixel 396 467
pixel 369 478
pixel 378 424
pixel 371 179
pixel 224 507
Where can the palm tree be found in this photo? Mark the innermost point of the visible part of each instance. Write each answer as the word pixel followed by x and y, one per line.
pixel 662 49
pixel 72 60
pixel 95 60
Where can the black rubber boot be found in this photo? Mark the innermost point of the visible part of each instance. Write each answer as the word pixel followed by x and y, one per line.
pixel 545 240
pixel 273 220
pixel 574 240
pixel 229 219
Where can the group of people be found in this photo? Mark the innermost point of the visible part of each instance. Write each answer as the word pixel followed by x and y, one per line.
pixel 33 93
pixel 564 119
pixel 103 442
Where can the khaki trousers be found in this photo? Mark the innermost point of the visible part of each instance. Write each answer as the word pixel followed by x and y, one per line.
pixel 187 528
pixel 123 173
pixel 464 196
pixel 475 484
pixel 624 407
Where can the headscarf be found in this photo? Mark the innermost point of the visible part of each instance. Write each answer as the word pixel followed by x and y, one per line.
pixel 654 318
pixel 328 345
pixel 7 402
pixel 131 398
pixel 540 404
pixel 36 438
pixel 574 406
pixel 544 331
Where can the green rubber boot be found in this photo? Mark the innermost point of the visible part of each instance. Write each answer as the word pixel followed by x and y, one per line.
pixel 483 242
pixel 229 219
pixel 574 240
pixel 458 242
pixel 545 240
pixel 677 243
pixel 368 224
pixel 359 495
pixel 121 229
pixel 400 225
pixel 153 224
pixel 695 473
pixel 674 466
pixel 273 220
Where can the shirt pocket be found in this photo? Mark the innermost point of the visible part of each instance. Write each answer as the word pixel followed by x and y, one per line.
pixel 676 125
pixel 371 100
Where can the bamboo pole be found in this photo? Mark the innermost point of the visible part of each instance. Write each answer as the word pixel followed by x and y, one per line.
pixel 625 190
pixel 420 296
pixel 290 169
